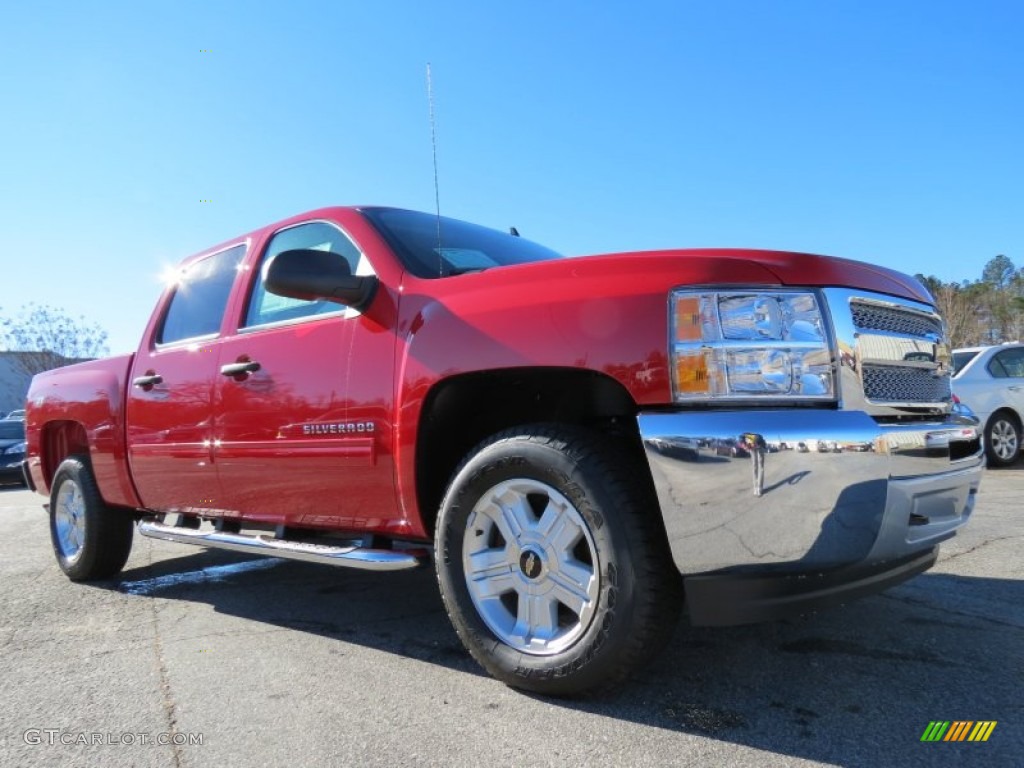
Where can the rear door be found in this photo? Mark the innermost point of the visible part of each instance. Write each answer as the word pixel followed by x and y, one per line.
pixel 170 394
pixel 304 437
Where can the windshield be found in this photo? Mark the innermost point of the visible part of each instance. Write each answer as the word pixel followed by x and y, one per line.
pixel 432 246
pixel 960 359
pixel 12 430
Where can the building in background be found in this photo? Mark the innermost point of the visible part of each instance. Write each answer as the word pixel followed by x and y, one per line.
pixel 16 374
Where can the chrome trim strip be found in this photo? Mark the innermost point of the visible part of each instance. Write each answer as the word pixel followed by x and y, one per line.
pixel 191 341
pixel 742 344
pixel 348 556
pixel 340 312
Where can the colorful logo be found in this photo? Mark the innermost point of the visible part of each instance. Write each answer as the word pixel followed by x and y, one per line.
pixel 958 730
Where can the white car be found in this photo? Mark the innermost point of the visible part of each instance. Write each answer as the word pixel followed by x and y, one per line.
pixel 990 381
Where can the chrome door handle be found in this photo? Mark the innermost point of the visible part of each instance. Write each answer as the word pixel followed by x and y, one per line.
pixel 147 381
pixel 240 369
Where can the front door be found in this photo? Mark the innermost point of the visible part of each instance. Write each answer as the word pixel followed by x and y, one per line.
pixel 303 432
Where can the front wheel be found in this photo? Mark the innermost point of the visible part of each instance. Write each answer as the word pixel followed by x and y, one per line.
pixel 552 563
pixel 90 540
pixel 1002 439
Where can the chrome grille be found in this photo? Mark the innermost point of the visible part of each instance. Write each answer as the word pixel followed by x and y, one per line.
pixel 893 355
pixel 871 317
pixel 904 384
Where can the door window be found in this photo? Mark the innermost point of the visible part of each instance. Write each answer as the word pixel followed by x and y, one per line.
pixel 1008 364
pixel 265 307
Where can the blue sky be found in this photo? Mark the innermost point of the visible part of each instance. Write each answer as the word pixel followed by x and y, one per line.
pixel 889 132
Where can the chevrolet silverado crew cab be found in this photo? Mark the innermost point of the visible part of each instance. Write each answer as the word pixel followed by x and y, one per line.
pixel 378 388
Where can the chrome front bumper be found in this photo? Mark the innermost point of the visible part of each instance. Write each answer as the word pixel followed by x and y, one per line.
pixel 840 490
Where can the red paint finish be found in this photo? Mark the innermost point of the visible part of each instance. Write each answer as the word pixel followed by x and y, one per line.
pixel 277 458
pixel 90 397
pixel 169 424
pixel 323 435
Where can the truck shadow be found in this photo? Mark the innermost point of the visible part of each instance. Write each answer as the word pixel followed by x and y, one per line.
pixel 854 686
pixel 399 612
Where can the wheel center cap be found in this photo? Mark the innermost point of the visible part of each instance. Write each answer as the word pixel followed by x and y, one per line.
pixel 530 564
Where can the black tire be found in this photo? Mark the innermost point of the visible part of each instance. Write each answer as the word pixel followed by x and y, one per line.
pixel 633 604
pixel 1002 439
pixel 90 539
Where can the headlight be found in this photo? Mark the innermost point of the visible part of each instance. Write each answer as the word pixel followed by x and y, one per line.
pixel 750 345
pixel 16 448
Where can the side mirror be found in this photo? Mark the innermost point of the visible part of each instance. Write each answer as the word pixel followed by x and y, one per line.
pixel 313 275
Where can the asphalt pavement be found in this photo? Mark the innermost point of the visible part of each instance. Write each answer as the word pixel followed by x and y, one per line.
pixel 195 657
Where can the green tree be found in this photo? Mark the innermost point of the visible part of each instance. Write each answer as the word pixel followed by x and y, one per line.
pixel 931 282
pixel 1000 285
pixel 998 272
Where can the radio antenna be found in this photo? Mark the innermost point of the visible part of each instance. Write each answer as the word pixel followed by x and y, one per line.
pixel 433 143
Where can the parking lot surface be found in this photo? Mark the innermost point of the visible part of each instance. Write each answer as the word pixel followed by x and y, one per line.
pixel 203 658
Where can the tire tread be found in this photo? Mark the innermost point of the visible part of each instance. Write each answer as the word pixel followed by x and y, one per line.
pixel 108 531
pixel 658 597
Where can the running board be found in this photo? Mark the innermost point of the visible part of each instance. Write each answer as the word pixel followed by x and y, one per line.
pixel 347 556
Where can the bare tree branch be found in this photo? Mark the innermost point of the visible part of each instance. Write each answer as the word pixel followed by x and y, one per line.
pixel 46 338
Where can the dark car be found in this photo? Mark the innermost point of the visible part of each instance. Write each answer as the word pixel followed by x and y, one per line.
pixel 685 448
pixel 12 451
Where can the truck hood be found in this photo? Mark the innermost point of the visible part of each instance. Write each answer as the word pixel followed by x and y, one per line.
pixel 606 313
pixel 789 268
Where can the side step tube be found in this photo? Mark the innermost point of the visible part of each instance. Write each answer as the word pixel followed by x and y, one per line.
pixel 346 556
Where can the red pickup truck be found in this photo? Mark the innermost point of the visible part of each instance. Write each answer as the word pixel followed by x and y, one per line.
pixel 378 388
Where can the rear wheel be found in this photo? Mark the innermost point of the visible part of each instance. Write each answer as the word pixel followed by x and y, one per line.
pixel 552 564
pixel 90 540
pixel 1002 439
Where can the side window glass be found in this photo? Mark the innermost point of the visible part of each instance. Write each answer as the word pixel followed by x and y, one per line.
pixel 1008 364
pixel 200 296
pixel 265 307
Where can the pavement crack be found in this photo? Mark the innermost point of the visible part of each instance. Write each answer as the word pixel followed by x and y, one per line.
pixel 975 548
pixel 750 550
pixel 166 695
